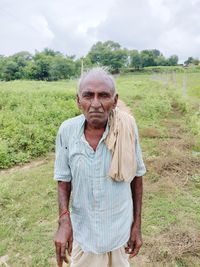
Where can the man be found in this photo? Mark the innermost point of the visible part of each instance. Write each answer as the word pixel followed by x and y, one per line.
pixel 104 225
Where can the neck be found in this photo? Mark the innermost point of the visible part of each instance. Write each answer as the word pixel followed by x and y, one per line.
pixel 91 127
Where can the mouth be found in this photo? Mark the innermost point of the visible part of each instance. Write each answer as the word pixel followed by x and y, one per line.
pixel 95 112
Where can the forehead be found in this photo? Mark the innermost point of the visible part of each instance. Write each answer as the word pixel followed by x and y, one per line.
pixel 96 85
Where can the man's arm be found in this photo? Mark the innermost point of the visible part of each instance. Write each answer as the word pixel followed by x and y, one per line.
pixel 135 240
pixel 64 235
pixel 64 192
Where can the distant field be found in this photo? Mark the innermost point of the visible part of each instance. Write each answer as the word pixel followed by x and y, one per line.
pixel 166 108
pixel 32 111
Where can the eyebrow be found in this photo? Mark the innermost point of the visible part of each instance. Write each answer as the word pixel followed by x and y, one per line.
pixel 102 92
pixel 87 92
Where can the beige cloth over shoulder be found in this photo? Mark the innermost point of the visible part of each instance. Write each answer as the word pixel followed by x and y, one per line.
pixel 121 141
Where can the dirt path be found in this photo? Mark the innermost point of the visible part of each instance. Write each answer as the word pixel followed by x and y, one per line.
pixel 34 163
pixel 123 106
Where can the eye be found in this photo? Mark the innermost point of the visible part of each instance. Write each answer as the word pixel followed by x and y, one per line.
pixel 104 95
pixel 87 95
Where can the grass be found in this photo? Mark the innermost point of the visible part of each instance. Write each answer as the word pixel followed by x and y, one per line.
pixel 169 130
pixel 171 213
pixel 31 113
pixel 28 212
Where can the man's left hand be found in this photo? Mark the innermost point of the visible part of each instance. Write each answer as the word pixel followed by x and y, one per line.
pixel 135 242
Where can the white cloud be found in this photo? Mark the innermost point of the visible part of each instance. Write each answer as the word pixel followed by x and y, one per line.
pixel 169 25
pixel 72 27
pixel 40 24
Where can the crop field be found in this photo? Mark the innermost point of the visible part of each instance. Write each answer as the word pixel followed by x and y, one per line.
pixel 166 108
pixel 30 115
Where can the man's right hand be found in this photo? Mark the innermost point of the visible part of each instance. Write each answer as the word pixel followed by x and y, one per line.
pixel 63 239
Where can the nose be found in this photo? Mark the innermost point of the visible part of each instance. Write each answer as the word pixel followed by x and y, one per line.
pixel 95 102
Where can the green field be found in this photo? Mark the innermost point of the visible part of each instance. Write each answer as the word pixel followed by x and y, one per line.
pixel 30 115
pixel 166 107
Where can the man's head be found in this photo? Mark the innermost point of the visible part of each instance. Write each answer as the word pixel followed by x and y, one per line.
pixel 96 96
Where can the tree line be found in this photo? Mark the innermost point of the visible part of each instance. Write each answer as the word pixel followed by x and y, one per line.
pixel 52 65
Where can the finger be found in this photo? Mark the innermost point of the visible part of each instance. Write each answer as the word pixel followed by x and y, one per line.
pixel 128 250
pixel 130 247
pixel 69 248
pixel 134 253
pixel 127 245
pixel 138 244
pixel 63 253
pixel 58 254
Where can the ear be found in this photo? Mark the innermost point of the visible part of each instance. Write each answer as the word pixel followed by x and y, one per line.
pixel 78 101
pixel 115 101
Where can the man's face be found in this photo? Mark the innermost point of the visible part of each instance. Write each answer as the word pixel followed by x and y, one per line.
pixel 96 100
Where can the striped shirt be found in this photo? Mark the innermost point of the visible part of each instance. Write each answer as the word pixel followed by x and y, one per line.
pixel 102 209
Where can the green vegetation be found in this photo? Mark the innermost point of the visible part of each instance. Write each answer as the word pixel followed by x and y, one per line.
pixel 154 97
pixel 46 65
pixel 31 113
pixel 52 65
pixel 168 118
pixel 28 216
pixel 166 107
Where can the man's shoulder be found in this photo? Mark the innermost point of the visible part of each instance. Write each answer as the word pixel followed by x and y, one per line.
pixel 72 123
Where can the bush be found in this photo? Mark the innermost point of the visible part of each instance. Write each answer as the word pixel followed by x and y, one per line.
pixel 30 117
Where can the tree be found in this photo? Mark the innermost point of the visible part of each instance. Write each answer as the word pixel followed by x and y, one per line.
pixel 112 46
pixel 53 65
pixel 173 60
pixel 147 58
pixel 156 52
pixel 61 68
pixel 51 52
pixel 161 61
pixel 22 58
pixel 196 61
pixel 10 70
pixel 12 67
pixel 135 59
pixel 42 66
pixel 191 60
pixel 108 54
pixel 2 60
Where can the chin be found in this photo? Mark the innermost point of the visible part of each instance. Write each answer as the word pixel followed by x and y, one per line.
pixel 98 123
pixel 94 121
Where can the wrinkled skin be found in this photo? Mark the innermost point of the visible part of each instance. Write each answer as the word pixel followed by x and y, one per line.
pixel 64 236
pixel 134 243
pixel 63 240
pixel 96 100
pixel 135 240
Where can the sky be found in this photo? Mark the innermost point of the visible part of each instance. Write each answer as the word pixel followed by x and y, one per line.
pixel 73 26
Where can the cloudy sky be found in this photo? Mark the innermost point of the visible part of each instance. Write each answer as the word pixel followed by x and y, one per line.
pixel 73 26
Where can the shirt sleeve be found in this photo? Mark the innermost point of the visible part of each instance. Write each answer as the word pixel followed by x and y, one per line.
pixel 62 170
pixel 141 170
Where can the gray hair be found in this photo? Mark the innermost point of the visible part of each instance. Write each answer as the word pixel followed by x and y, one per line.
pixel 99 74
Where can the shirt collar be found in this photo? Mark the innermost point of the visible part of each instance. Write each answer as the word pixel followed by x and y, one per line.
pixel 81 135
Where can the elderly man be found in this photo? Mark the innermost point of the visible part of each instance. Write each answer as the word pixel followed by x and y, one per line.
pixel 104 226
